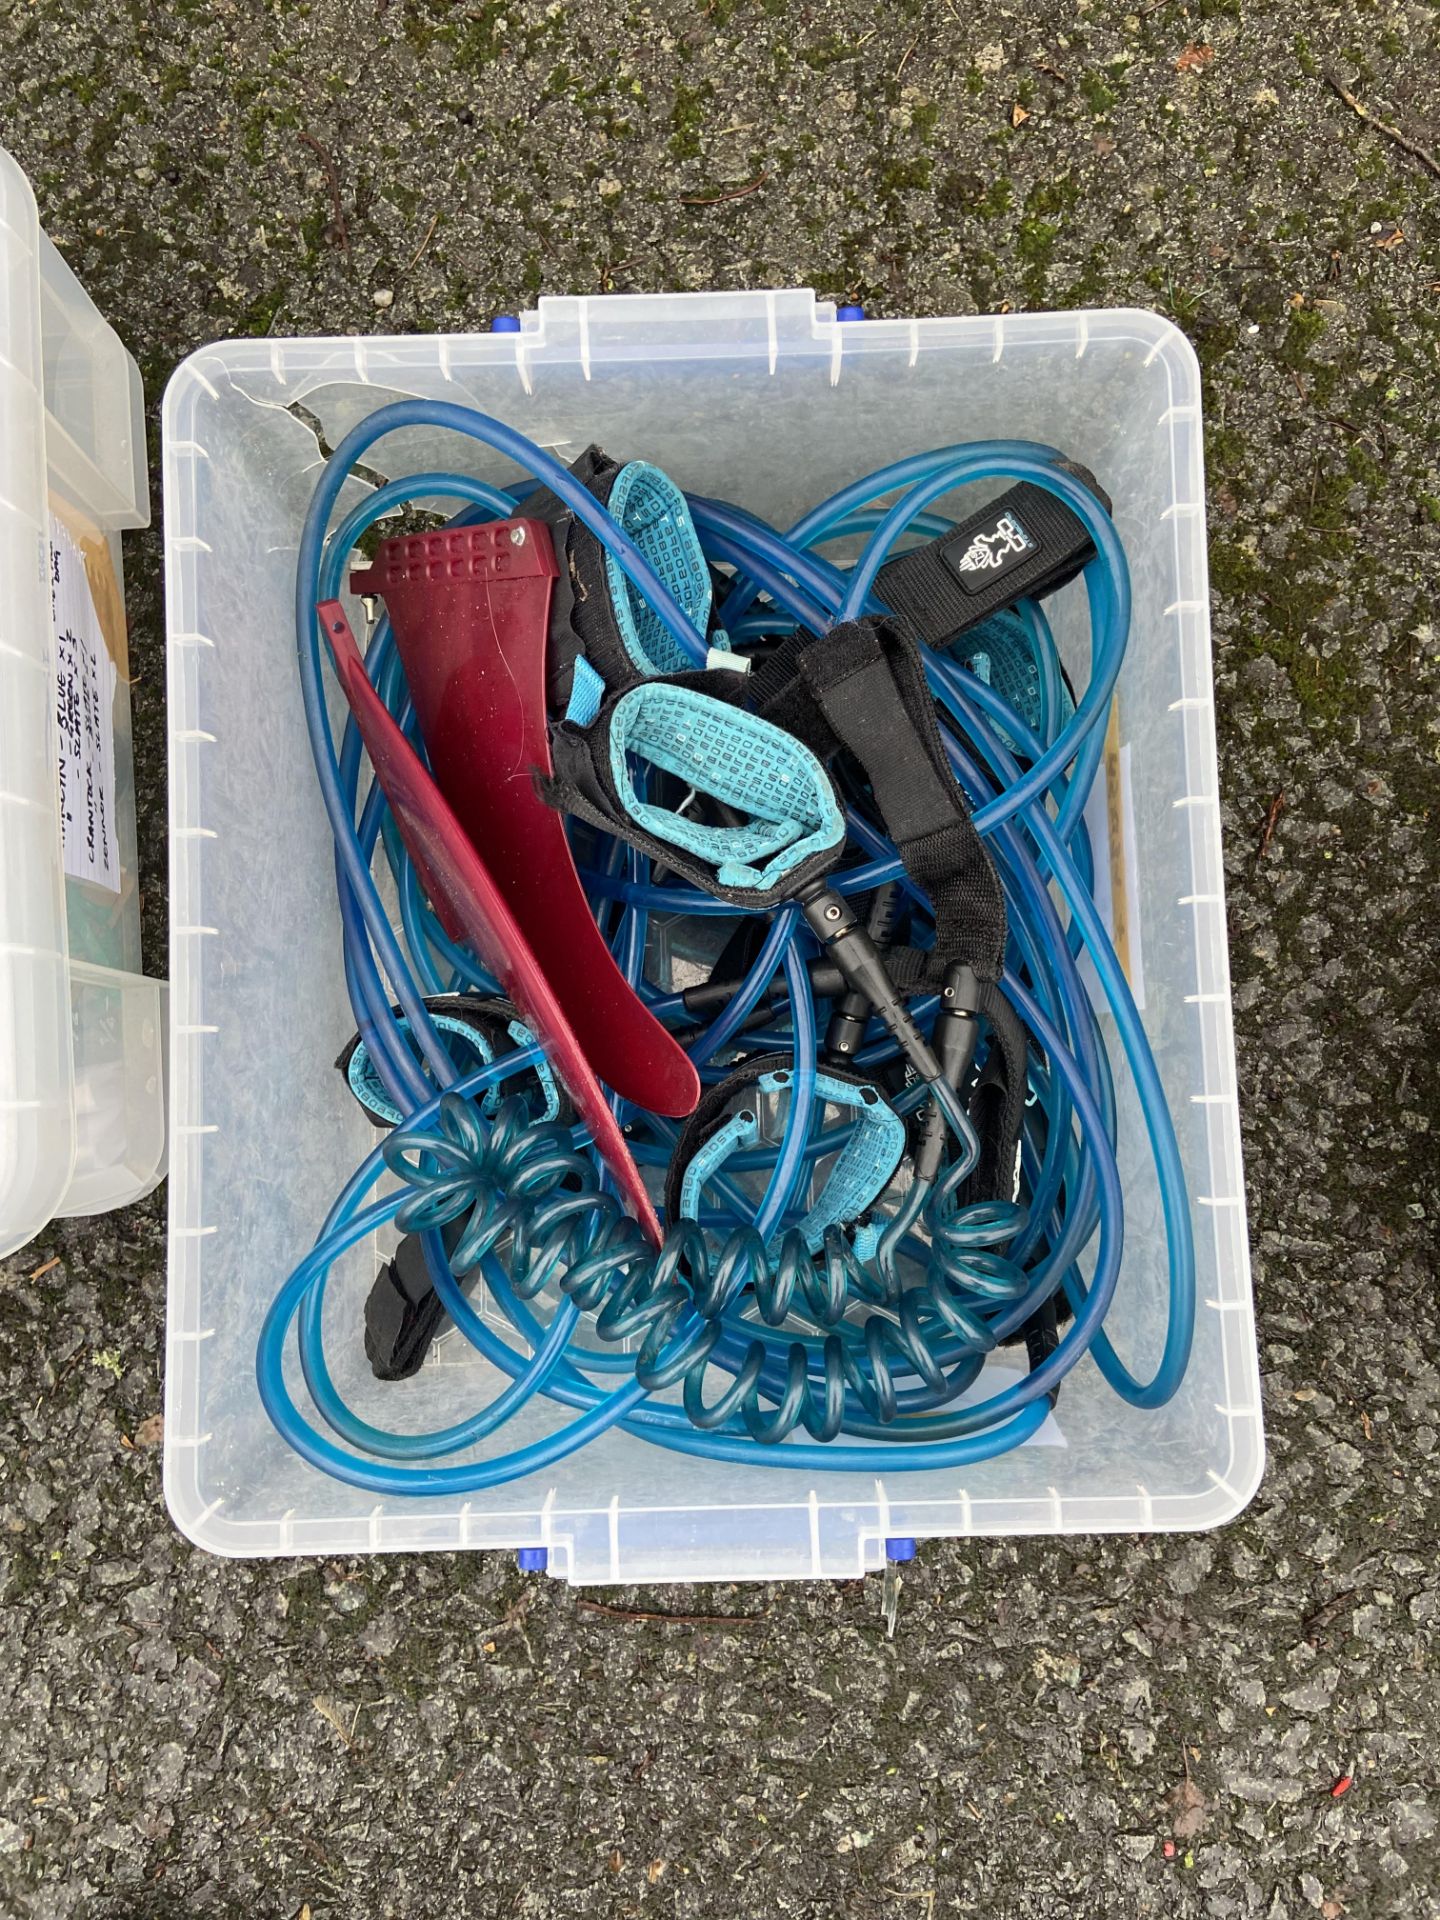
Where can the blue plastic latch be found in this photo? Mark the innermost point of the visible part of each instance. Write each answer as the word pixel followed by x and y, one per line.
pixel 849 313
pixel 535 1559
pixel 900 1549
pixel 505 323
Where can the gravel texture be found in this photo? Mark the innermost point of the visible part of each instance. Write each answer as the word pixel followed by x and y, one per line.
pixel 1093 1728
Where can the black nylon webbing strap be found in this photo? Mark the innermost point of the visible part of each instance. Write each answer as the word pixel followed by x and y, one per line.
pixel 997 1108
pixel 853 676
pixel 403 1313
pixel 777 692
pixel 862 687
pixel 997 1105
pixel 1025 544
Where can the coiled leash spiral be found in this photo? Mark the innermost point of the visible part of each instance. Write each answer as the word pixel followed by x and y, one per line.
pixel 827 820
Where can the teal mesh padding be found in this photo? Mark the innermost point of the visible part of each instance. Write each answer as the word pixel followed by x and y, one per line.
pixel 865 1241
pixel 652 510
pixel 523 1037
pixel 475 1051
pixel 366 1084
pixel 735 757
pixel 867 1161
pixel 999 652
pixel 859 1176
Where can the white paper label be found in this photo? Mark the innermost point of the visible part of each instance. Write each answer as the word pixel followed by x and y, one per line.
pixel 85 719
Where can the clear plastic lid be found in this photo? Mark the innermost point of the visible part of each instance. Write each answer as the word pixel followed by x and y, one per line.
pixel 82 1124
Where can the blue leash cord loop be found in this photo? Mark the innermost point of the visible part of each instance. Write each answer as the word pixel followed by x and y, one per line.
pixel 734 1342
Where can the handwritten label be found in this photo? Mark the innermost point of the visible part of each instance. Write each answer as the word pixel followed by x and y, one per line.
pixel 85 719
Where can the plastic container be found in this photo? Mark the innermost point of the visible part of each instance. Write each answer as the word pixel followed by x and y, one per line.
pixel 82 1031
pixel 766 399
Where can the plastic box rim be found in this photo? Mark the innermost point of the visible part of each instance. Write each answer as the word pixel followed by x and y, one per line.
pixel 558 324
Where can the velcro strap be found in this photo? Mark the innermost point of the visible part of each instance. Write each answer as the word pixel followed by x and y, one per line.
pixel 997 1109
pixel 1023 545
pixel 862 687
pixel 779 692
pixel 785 828
pixel 476 1027
pixel 861 1172
pixel 596 613
pixel 652 510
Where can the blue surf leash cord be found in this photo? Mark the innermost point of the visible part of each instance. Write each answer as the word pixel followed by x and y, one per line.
pixel 760 1318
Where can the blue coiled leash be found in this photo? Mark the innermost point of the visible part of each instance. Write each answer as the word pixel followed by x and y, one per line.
pixel 866 1355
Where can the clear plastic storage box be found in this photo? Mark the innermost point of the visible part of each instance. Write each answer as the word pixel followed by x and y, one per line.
pixel 82 1031
pixel 768 400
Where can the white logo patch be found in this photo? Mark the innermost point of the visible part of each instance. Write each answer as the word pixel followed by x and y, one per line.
pixel 988 552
